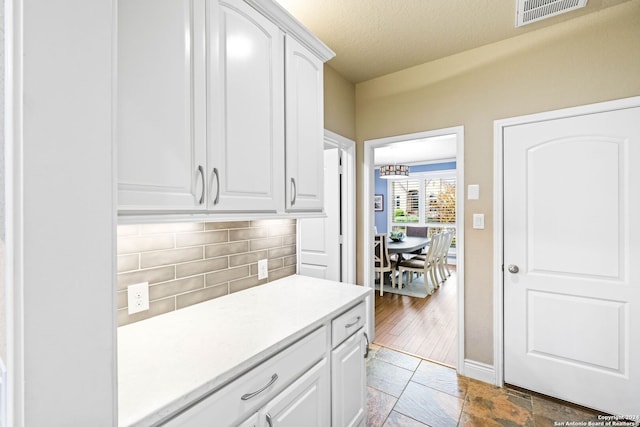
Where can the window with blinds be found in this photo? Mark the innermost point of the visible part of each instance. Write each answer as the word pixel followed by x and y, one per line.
pixel 424 200
pixel 440 198
pixel 406 201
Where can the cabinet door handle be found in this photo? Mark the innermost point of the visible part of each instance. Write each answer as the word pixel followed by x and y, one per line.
pixel 294 191
pixel 201 170
pixel 217 175
pixel 355 322
pixel 268 416
pixel 366 352
pixel 248 396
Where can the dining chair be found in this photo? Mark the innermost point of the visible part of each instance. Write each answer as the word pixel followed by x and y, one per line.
pixel 424 264
pixel 381 261
pixel 418 231
pixel 423 252
pixel 441 258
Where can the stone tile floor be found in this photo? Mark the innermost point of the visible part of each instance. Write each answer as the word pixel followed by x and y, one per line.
pixel 405 391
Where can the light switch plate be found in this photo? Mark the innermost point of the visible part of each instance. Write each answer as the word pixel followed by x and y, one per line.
pixel 263 269
pixel 478 221
pixel 138 297
pixel 473 192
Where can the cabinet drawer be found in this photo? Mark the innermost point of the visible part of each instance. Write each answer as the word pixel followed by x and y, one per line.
pixel 347 323
pixel 234 402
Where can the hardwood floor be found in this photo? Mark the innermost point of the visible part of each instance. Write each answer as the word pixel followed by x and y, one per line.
pixel 424 327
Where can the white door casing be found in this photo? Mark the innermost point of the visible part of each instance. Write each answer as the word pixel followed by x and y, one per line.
pixel 464 367
pixel 571 315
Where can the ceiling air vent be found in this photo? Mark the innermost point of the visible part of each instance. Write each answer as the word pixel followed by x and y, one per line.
pixel 528 11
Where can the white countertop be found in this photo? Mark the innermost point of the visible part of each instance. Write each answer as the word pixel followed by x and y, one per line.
pixel 170 360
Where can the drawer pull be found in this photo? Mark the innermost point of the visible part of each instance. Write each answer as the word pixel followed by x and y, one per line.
pixel 216 200
pixel 248 396
pixel 355 322
pixel 366 352
pixel 201 170
pixel 269 420
pixel 294 191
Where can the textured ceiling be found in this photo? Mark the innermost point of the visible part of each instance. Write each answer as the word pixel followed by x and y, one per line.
pixel 372 38
pixel 437 148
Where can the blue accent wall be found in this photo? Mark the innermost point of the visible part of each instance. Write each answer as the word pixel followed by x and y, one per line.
pixel 380 187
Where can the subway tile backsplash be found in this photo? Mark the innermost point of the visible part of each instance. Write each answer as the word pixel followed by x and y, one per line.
pixel 187 263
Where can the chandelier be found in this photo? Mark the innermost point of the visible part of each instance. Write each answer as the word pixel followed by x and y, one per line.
pixel 394 171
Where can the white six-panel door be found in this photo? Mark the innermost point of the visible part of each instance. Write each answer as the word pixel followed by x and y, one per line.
pixel 572 258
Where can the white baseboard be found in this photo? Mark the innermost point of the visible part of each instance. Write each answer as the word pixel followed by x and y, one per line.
pixel 480 371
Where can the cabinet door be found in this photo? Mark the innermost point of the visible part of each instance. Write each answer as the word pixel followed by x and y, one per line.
pixel 246 109
pixel 303 403
pixel 348 382
pixel 304 129
pixel 251 422
pixel 160 147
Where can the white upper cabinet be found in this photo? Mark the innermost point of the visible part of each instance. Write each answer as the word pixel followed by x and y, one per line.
pixel 201 108
pixel 304 129
pixel 161 147
pixel 245 116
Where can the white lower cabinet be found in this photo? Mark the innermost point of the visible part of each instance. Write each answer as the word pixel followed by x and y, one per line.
pixel 250 422
pixel 304 403
pixel 348 382
pixel 311 383
pixel 275 379
pixel 348 372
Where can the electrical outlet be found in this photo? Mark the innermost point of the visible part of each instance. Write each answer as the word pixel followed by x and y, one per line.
pixel 138 296
pixel 263 269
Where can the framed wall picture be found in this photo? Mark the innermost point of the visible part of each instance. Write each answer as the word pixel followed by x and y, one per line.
pixel 378 202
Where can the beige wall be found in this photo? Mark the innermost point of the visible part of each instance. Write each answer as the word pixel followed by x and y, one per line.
pixel 589 59
pixel 339 104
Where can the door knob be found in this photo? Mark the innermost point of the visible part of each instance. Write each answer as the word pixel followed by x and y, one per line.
pixel 513 269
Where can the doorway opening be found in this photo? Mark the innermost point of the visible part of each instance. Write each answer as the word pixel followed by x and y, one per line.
pixel 327 244
pixel 428 326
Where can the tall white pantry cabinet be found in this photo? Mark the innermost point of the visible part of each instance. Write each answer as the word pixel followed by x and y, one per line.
pixel 203 122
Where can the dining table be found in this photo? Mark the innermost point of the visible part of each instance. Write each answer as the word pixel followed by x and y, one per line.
pixel 408 245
